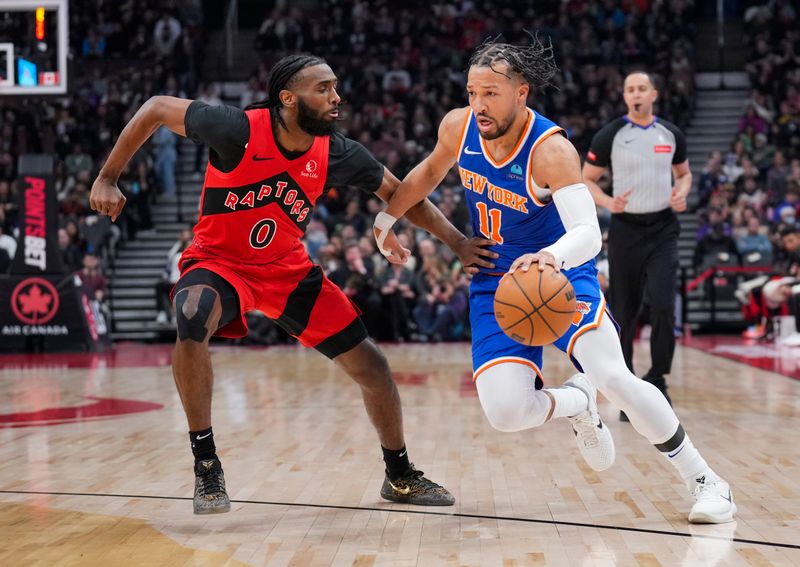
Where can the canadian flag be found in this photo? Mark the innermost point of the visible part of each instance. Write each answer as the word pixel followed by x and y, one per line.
pixel 48 79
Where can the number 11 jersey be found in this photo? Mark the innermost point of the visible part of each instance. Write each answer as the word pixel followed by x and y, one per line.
pixel 505 204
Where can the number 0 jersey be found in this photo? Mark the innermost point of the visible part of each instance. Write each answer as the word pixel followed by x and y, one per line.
pixel 504 202
pixel 257 212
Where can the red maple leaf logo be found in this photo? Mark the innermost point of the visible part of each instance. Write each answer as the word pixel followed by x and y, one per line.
pixel 35 302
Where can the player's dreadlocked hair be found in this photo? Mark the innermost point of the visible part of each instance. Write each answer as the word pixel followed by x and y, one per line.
pixel 534 64
pixel 282 76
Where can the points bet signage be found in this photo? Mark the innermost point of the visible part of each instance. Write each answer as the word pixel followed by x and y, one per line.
pixel 37 250
pixel 41 307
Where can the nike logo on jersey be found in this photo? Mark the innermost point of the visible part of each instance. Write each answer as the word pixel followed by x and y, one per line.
pixel 470 152
pixel 259 158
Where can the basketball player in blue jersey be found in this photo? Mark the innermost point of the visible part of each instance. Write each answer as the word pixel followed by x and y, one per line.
pixel 523 184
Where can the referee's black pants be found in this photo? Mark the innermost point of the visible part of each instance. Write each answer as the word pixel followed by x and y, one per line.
pixel 643 259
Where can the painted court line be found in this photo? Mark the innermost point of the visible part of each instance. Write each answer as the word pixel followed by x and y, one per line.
pixel 428 513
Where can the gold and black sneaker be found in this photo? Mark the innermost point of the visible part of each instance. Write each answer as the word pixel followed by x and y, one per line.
pixel 414 488
pixel 209 488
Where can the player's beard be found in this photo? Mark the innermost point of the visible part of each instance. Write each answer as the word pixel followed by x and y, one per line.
pixel 501 129
pixel 313 123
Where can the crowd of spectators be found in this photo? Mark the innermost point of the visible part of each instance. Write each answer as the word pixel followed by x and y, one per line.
pixel 123 53
pixel 750 195
pixel 400 69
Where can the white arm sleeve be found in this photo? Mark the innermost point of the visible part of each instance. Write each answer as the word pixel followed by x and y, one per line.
pixel 582 241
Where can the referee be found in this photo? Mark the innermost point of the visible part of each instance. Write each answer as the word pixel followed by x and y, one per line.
pixel 650 180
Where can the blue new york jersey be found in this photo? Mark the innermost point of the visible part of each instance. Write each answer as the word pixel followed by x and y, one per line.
pixel 506 206
pixel 504 203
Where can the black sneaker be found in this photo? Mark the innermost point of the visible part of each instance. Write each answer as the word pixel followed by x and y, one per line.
pixel 209 488
pixel 414 488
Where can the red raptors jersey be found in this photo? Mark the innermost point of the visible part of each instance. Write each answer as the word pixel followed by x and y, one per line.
pixel 257 212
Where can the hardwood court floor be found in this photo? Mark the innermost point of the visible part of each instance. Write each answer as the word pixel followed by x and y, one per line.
pixel 95 468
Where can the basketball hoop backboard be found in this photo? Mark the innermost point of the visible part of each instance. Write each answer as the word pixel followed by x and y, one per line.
pixel 33 46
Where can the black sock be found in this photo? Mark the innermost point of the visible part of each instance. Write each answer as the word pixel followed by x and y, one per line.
pixel 203 446
pixel 397 464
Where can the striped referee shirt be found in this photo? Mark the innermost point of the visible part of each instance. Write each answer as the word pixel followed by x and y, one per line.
pixel 640 158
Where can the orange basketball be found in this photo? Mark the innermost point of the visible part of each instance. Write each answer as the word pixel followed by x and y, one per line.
pixel 534 308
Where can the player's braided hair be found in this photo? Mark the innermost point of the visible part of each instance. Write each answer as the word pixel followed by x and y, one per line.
pixel 534 64
pixel 282 77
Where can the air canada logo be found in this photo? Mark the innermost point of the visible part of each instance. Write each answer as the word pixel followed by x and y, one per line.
pixel 34 301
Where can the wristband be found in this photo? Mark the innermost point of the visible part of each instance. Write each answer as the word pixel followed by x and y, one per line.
pixel 383 222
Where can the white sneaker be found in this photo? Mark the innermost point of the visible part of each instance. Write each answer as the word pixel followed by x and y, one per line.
pixel 713 502
pixel 593 437
pixel 161 318
pixel 792 340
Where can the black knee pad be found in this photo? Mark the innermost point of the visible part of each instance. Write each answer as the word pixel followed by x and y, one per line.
pixel 194 328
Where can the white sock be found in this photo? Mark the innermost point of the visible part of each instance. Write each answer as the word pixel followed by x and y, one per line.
pixel 600 355
pixel 568 401
pixel 687 461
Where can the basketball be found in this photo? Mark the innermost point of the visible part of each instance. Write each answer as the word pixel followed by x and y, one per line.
pixel 535 307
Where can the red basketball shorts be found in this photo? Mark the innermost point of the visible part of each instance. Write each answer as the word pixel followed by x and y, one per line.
pixel 294 293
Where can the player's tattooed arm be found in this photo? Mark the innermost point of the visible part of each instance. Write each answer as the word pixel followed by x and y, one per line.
pixel 106 198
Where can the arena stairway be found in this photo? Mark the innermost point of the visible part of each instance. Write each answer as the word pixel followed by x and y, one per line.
pixel 713 127
pixel 139 263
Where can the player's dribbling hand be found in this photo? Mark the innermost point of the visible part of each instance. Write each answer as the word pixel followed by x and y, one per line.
pixel 399 254
pixel 542 258
pixel 106 198
pixel 472 251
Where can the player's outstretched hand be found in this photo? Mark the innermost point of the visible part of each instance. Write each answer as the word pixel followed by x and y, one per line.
pixel 526 260
pixel 106 198
pixel 472 252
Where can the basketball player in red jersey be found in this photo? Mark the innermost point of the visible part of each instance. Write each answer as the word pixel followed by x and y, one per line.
pixel 268 166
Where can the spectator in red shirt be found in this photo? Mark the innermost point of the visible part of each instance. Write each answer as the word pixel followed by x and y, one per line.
pixel 94 282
